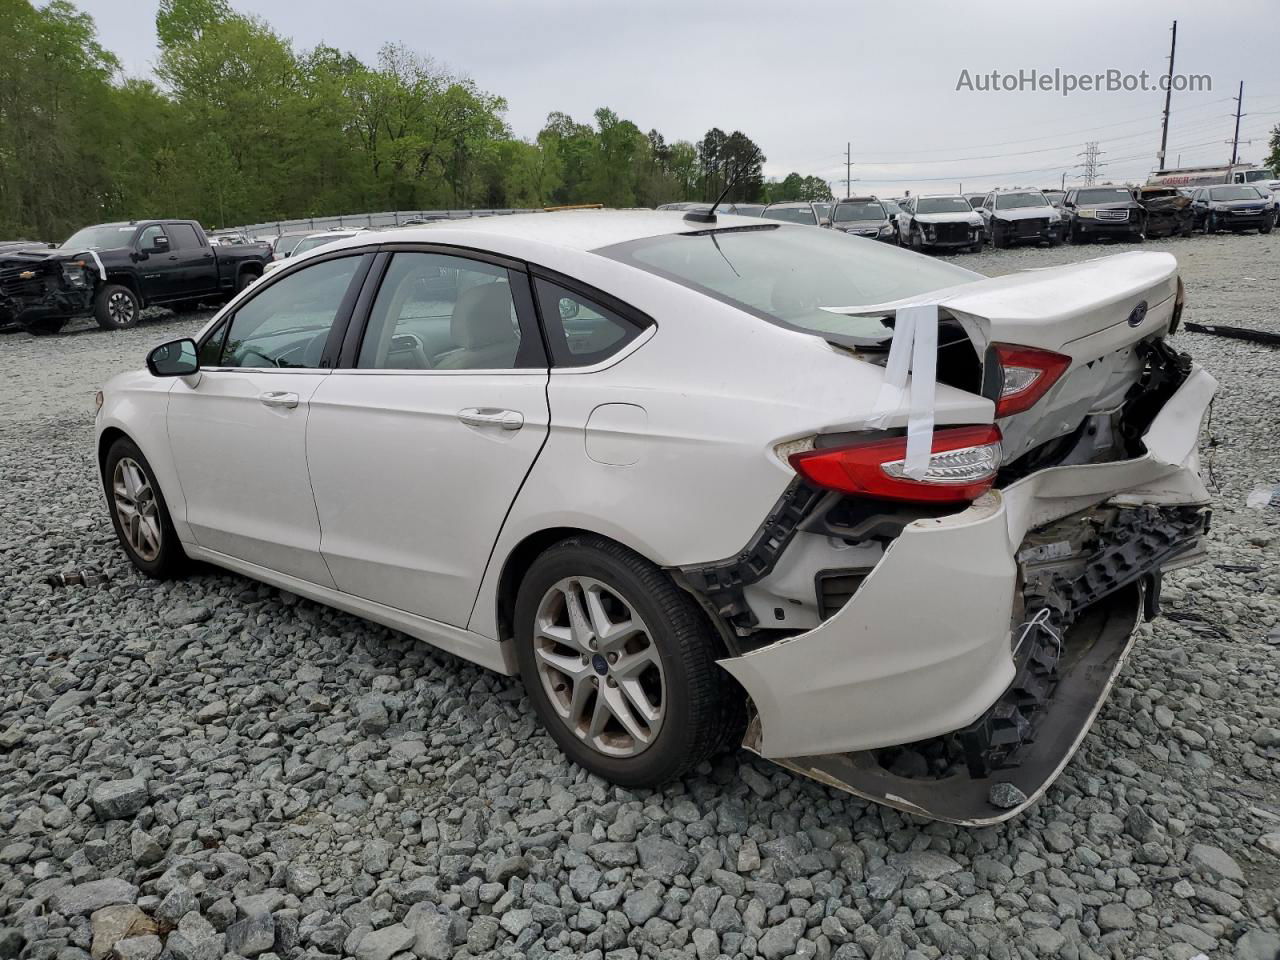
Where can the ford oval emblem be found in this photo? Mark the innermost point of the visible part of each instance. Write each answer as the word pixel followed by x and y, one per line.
pixel 1138 314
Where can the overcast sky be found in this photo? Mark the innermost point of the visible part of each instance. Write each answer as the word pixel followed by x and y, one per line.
pixel 804 78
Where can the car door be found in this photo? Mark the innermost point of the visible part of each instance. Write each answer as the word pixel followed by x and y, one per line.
pixel 159 264
pixel 238 427
pixel 199 274
pixel 419 443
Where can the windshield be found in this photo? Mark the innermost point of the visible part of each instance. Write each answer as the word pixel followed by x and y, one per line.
pixel 310 243
pixel 1234 193
pixel 106 237
pixel 1109 195
pixel 943 205
pixel 859 210
pixel 787 276
pixel 1012 201
pixel 790 214
pixel 748 209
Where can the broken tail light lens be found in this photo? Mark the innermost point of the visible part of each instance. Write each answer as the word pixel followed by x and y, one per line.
pixel 962 467
pixel 1026 374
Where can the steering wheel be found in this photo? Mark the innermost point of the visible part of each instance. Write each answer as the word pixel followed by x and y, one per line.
pixel 258 353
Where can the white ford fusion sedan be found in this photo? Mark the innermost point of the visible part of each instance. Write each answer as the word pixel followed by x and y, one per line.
pixel 700 482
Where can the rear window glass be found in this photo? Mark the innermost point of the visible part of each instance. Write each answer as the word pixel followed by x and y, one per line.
pixel 791 214
pixel 786 275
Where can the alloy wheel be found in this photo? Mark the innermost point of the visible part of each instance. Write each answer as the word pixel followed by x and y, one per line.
pixel 136 508
pixel 599 666
pixel 121 308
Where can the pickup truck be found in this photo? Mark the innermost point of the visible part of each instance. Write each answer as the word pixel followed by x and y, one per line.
pixel 113 270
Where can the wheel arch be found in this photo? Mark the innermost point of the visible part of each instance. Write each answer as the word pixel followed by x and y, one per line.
pixel 517 564
pixel 126 280
pixel 109 436
pixel 522 556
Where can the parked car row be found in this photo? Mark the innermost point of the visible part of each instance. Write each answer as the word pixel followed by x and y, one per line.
pixel 1006 218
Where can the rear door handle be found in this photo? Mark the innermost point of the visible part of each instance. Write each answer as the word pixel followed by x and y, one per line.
pixel 492 417
pixel 278 398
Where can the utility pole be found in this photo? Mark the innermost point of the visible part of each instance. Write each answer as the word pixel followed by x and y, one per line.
pixel 1235 137
pixel 848 166
pixel 1168 95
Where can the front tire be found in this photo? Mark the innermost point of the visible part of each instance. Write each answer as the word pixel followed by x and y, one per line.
pixel 139 513
pixel 116 307
pixel 619 664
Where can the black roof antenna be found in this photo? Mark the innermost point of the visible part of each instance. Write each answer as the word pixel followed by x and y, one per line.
pixel 709 216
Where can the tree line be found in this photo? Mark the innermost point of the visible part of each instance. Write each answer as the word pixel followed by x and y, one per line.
pixel 237 127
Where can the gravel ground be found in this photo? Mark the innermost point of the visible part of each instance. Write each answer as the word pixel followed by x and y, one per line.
pixel 215 767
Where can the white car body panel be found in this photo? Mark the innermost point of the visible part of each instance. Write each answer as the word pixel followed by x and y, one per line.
pixel 409 498
pixel 262 510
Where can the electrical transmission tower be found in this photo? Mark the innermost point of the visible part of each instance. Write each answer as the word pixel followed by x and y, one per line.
pixel 1091 163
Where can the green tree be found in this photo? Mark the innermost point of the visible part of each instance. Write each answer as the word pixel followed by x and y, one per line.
pixel 1273 158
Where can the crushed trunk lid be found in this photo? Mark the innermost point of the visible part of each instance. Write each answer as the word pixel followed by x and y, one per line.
pixel 1095 312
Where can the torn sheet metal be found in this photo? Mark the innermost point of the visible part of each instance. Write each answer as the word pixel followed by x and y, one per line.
pixel 890 669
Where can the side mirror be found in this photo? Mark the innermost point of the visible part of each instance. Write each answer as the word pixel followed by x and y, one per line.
pixel 158 245
pixel 177 358
pixel 568 308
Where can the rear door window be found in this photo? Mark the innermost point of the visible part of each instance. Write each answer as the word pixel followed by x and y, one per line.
pixel 581 331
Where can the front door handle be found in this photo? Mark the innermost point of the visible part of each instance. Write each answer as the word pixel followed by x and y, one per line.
pixel 492 417
pixel 278 398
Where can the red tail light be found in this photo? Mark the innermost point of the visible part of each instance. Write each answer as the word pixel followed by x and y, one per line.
pixel 962 467
pixel 1026 374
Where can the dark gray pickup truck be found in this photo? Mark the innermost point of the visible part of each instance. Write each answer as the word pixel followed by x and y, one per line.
pixel 113 270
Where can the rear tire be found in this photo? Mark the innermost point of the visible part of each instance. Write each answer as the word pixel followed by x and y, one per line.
pixel 139 513
pixel 116 307
pixel 688 707
pixel 244 279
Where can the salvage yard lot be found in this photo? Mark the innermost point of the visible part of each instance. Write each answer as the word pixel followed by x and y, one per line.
pixel 364 782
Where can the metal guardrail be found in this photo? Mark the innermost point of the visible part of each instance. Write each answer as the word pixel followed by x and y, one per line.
pixel 392 218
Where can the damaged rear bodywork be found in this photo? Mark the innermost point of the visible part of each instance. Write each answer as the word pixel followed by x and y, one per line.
pixel 947 660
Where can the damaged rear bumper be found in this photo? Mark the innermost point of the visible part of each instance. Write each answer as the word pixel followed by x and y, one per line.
pixel 926 646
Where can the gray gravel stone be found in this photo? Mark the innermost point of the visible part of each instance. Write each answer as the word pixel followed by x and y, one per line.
pixel 119 799
pixel 85 898
pixel 251 936
pixel 1214 860
pixel 385 943
pixel 146 947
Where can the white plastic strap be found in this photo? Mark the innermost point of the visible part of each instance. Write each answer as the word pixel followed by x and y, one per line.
pixel 102 271
pixel 914 349
pixel 924 363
